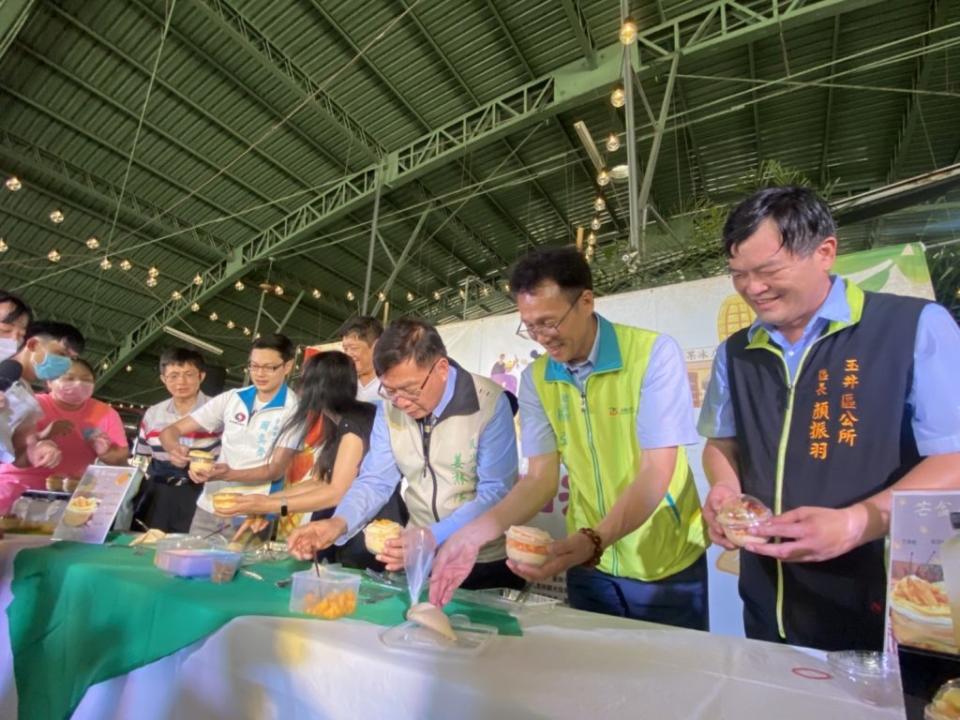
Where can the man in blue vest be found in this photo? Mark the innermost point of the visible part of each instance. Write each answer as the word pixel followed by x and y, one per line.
pixel 830 400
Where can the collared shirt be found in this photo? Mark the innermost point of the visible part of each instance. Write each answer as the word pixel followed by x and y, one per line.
pixel 379 474
pixel 369 392
pixel 664 411
pixel 21 406
pixel 934 393
pixel 159 416
pixel 248 432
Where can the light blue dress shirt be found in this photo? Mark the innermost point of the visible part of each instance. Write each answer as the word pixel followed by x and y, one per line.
pixel 379 474
pixel 664 412
pixel 934 395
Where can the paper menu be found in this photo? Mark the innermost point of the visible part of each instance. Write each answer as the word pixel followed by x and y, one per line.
pixel 90 513
pixel 924 554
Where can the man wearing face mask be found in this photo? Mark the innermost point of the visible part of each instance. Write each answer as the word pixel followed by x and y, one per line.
pixel 15 316
pixel 85 430
pixel 45 354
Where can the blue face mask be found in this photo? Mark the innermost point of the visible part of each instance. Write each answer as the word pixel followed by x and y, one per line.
pixel 51 367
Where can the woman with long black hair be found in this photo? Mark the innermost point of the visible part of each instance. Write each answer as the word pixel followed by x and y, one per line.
pixel 337 427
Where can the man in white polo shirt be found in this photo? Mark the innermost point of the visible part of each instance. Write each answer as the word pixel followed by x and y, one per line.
pixel 252 457
pixel 359 336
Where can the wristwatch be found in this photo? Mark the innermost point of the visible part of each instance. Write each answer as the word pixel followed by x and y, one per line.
pixel 283 508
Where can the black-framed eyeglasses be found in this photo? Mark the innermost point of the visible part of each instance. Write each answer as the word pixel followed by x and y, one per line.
pixel 532 332
pixel 254 368
pixel 410 395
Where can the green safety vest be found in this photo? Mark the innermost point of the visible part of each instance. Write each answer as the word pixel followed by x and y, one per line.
pixel 597 440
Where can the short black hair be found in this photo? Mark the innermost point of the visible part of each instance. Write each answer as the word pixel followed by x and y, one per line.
pixel 405 339
pixel 365 327
pixel 804 220
pixel 563 265
pixel 181 356
pixel 87 364
pixel 275 341
pixel 20 308
pixel 67 334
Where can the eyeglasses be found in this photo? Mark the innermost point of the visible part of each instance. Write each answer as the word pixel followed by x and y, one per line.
pixel 410 395
pixel 254 368
pixel 532 332
pixel 178 376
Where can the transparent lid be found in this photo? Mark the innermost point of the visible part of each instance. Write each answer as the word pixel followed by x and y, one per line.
pixel 510 599
pixel 863 663
pixel 409 637
pixel 743 510
pixel 946 703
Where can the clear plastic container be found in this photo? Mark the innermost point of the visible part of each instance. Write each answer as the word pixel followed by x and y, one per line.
pixel 192 556
pixel 225 566
pixel 873 676
pixel 739 515
pixel 329 595
pixel 409 637
pixel 946 703
pixel 511 600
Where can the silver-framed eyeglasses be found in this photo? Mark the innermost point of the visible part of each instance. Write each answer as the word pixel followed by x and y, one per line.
pixel 546 329
pixel 409 395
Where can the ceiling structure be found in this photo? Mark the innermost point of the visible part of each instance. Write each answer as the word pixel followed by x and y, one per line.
pixel 233 154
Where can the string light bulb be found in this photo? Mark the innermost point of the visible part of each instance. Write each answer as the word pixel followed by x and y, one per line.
pixel 195 307
pixel 246 330
pixel 618 97
pixel 3 246
pixel 595 223
pixel 591 240
pixel 613 142
pixel 278 290
pixel 105 264
pixel 316 294
pixel 381 296
pixel 462 293
pixel 214 317
pixel 105 365
pixel 129 368
pixel 198 279
pixel 175 295
pixel 125 265
pixel 628 31
pixel 599 204
pixel 53 256
pixel 239 286
pixel 13 183
pixel 410 296
pixel 506 287
pixel 151 282
pixel 350 295
pixel 485 291
pixel 231 324
pixel 56 216
pixel 436 295
pixel 92 243
pixel 153 272
pixel 603 177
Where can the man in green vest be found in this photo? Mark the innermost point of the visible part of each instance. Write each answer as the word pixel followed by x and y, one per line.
pixel 830 400
pixel 612 404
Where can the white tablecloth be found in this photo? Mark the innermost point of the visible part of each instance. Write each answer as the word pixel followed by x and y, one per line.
pixel 568 664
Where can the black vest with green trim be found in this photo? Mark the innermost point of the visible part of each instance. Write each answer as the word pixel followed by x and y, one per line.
pixel 840 434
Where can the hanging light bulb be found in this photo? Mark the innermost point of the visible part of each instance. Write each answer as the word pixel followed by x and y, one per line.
pixel 239 286
pixel 381 296
pixel 246 330
pixel 105 264
pixel 175 295
pixel 603 177
pixel 3 246
pixel 231 324
pixel 316 294
pixel 462 293
pixel 125 264
pixel 56 216
pixel 436 295
pixel 613 142
pixel 599 204
pixel 195 307
pixel 485 291
pixel 278 290
pixel 410 296
pixel 129 368
pixel 13 183
pixel 151 282
pixel 617 97
pixel 214 317
pixel 595 223
pixel 93 243
pixel 628 31
pixel 198 279
pixel 105 365
pixel 153 272
pixel 53 256
pixel 506 287
pixel 591 240
pixel 350 295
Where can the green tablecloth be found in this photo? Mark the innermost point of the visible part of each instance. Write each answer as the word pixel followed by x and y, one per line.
pixel 82 614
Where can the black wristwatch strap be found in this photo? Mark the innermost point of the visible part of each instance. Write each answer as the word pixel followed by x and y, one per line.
pixel 283 508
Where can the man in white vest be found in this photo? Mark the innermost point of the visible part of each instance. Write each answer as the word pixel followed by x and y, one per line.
pixel 448 432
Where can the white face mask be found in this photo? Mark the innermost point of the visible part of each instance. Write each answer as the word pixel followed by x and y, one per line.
pixel 8 348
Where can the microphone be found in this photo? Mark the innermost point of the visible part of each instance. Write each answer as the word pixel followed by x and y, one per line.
pixel 10 372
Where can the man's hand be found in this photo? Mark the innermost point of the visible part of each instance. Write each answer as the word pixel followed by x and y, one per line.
pixel 180 457
pixel 718 495
pixel 453 564
pixel 572 550
pixel 812 534
pixel 44 454
pixel 304 542
pixel 219 471
pixel 254 524
pixel 101 444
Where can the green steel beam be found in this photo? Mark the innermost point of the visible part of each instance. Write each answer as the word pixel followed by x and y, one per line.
pixel 13 16
pixel 580 29
pixel 937 15
pixel 828 115
pixel 755 106
pixel 568 87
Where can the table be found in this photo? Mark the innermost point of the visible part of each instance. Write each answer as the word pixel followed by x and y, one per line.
pixel 568 664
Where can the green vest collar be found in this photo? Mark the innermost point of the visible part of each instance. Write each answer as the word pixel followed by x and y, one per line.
pixel 855 298
pixel 608 359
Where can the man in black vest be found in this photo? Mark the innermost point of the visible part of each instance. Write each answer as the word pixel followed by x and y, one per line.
pixel 830 400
